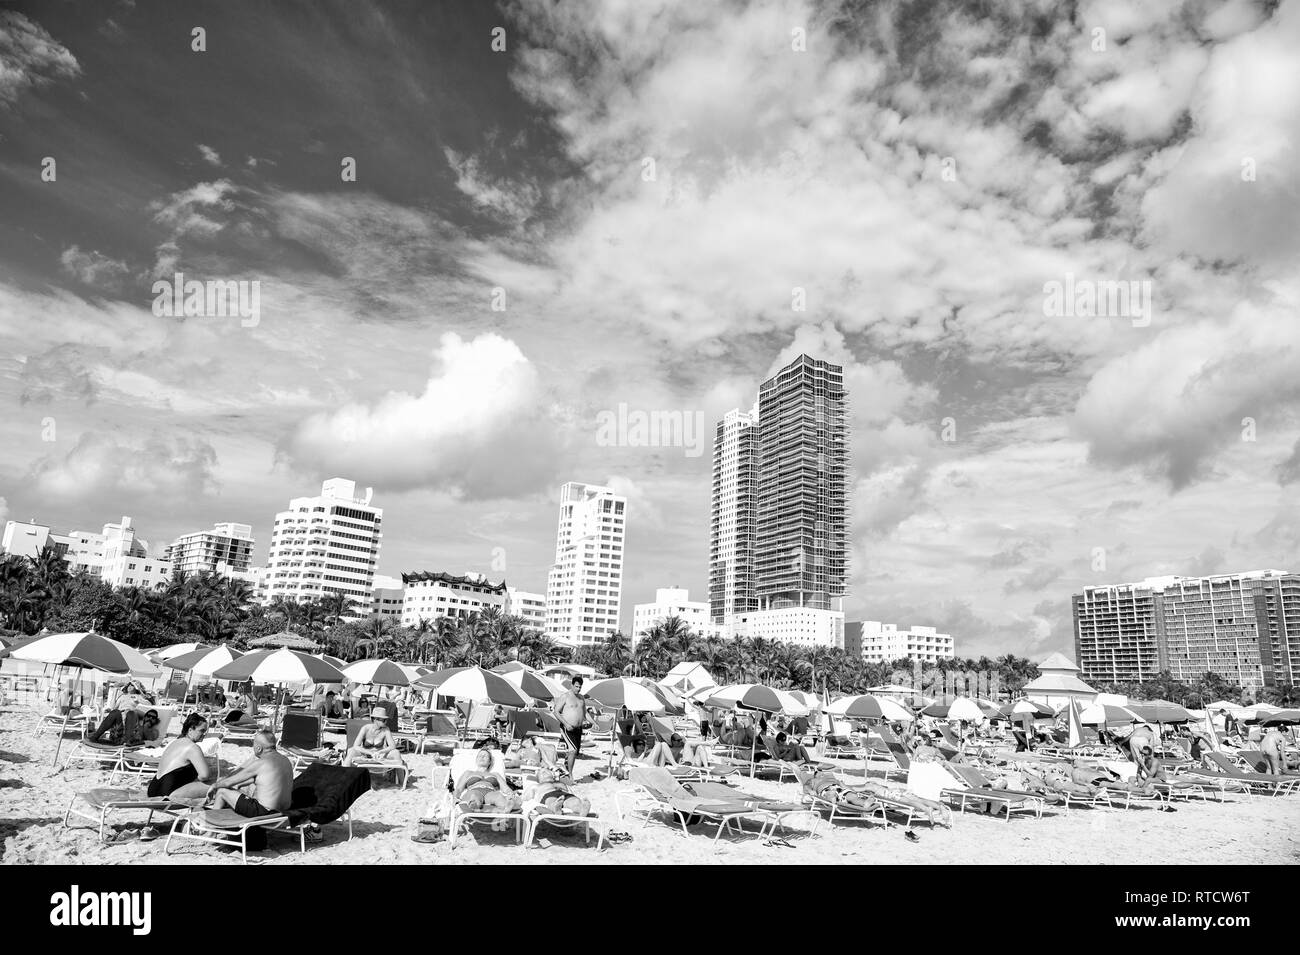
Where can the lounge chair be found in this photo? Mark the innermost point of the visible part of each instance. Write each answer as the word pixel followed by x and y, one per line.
pixel 321 794
pixel 978 790
pixel 462 761
pixel 1273 785
pixel 657 792
pixel 781 809
pixel 433 730
pixel 902 758
pixel 105 802
pixel 536 815
pixel 383 767
pixel 1091 796
pixel 300 740
pixel 849 748
pixel 838 808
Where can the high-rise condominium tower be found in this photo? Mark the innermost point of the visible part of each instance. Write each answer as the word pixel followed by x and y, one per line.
pixel 585 584
pixel 779 529
pixel 325 544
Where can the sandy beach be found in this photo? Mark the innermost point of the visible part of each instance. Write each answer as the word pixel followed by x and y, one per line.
pixel 33 798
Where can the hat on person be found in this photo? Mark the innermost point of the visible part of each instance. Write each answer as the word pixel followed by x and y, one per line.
pixel 379 713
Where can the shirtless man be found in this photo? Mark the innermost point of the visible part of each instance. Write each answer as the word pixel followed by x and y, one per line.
pixel 374 742
pixel 1142 750
pixel 556 797
pixel 571 710
pixel 1273 746
pixel 272 774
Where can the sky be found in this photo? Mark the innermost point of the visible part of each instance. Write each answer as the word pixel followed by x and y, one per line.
pixel 561 209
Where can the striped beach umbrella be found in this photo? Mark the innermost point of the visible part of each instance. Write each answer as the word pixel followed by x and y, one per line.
pixel 165 654
pixel 476 684
pixel 377 672
pixel 962 708
pixel 756 696
pixel 529 680
pixel 1158 711
pixel 203 661
pixel 1281 718
pixel 1106 714
pixel 868 707
pixel 332 661
pixel 279 667
pixel 623 691
pixel 85 651
pixel 810 700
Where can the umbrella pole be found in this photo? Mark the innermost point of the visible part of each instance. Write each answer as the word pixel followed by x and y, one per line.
pixel 58 744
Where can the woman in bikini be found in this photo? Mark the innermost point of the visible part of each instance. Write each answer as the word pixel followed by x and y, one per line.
pixel 482 790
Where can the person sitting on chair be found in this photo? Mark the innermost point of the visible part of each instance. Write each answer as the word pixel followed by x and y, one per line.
pixel 183 762
pixel 533 754
pixel 243 710
pixel 482 790
pixel 331 709
pixel 375 741
pixel 126 728
pixel 790 752
pixel 272 775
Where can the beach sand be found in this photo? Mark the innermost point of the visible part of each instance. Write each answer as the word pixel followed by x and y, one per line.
pixel 33 798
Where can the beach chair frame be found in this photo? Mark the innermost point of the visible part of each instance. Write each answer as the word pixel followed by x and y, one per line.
pixel 104 808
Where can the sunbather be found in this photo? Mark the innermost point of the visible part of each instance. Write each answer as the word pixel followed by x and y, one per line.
pixel 532 754
pixel 374 742
pixel 556 797
pixel 482 790
pixel 827 786
pixel 790 752
pixel 182 761
pixel 127 728
pixel 332 709
pixel 272 775
pixel 243 710
pixel 687 753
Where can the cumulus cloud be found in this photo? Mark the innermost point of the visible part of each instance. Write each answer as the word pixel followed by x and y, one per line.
pixel 480 429
pixel 30 57
pixel 102 467
pixel 92 268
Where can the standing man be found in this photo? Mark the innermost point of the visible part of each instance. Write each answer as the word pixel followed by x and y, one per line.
pixel 571 709
pixel 1273 746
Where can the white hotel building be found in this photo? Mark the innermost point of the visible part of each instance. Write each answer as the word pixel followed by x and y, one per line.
pixel 431 595
pixel 325 544
pixel 584 586
pixel 886 642
pixel 675 602
pixel 528 606
pixel 226 544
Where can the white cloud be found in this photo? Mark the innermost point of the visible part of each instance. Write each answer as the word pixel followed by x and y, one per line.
pixel 30 57
pixel 92 268
pixel 479 428
pixel 210 155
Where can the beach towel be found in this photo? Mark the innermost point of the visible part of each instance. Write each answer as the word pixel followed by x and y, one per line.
pixel 323 792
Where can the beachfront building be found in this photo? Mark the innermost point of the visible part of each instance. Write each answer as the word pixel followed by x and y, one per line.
pixel 205 551
pixel 779 521
pixel 878 642
pixel 732 515
pixel 1058 683
pixel 1245 627
pixel 528 606
pixel 135 570
pixel 387 598
pixel 431 596
pixel 801 626
pixel 26 538
pixel 584 586
pixel 675 602
pixel 328 543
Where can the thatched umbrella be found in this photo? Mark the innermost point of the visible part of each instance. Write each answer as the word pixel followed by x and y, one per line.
pixel 285 638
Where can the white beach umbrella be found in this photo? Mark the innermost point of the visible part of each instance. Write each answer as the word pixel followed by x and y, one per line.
pixel 475 684
pixel 279 667
pixel 756 696
pixel 868 707
pixel 377 672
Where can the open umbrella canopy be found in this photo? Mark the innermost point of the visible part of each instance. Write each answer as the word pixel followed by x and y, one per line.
pixel 1281 718
pixel 1157 711
pixel 621 691
pixel 671 701
pixel 962 708
pixel 756 696
pixel 529 680
pixel 378 672
pixel 332 661
pixel 1099 714
pixel 165 654
pixel 810 700
pixel 1023 708
pixel 869 707
pixel 279 666
pixel 476 684
pixel 204 660
pixel 87 650
pixel 294 641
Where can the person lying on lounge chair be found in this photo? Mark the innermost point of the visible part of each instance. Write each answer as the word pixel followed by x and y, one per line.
pixel 532 754
pixel 899 792
pixel 243 709
pixel 127 728
pixel 636 751
pixel 375 742
pixel 827 786
pixel 272 775
pixel 556 797
pixel 688 754
pixel 482 790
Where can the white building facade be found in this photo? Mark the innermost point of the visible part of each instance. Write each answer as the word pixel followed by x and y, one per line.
pixel 528 606
pixel 584 587
pixel 388 597
pixel 886 642
pixel 675 602
pixel 429 596
pixel 205 551
pixel 325 544
pixel 800 626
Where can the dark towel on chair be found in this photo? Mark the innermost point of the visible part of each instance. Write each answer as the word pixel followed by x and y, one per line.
pixel 324 792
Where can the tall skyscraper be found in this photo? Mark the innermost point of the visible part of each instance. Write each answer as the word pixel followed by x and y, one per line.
pixel 325 544
pixel 779 528
pixel 584 587
pixel 731 526
pixel 1244 627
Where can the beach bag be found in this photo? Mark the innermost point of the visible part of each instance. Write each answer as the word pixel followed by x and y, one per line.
pixel 430 830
